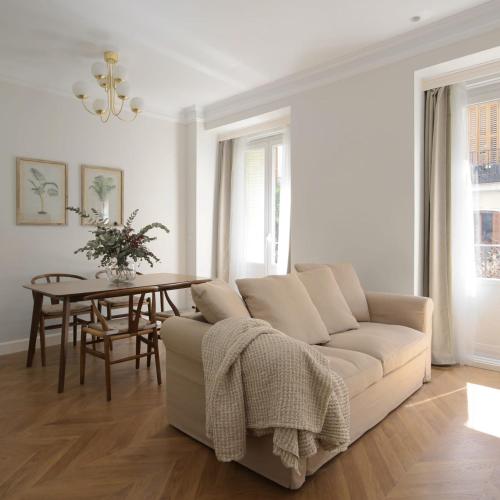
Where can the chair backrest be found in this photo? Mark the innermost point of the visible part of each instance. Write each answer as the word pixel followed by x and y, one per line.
pixel 134 314
pixel 102 274
pixel 55 278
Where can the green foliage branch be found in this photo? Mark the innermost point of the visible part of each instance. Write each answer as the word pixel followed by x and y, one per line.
pixel 113 245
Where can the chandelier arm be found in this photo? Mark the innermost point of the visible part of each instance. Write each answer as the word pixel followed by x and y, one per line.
pixel 125 120
pixel 87 109
pixel 115 113
pixel 108 115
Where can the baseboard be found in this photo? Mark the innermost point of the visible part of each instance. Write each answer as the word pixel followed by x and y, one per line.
pixel 20 345
pixel 484 362
pixel 487 350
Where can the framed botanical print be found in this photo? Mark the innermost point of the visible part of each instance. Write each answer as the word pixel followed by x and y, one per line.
pixel 41 192
pixel 102 190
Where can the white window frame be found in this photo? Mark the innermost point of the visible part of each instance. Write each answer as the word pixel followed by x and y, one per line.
pixel 479 93
pixel 267 143
pixel 273 264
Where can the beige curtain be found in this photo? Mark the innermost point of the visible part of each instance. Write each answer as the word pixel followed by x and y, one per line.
pixel 223 209
pixel 437 221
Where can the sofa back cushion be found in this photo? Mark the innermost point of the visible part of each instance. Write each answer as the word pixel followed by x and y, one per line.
pixel 216 300
pixel 327 297
pixel 349 284
pixel 283 301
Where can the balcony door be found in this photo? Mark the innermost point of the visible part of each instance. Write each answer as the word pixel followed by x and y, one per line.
pixel 260 208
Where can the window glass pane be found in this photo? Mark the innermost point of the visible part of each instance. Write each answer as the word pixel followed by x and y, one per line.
pixel 483 133
pixel 255 190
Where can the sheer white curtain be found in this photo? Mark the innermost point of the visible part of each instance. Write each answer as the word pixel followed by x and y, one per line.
pixel 464 280
pixel 260 205
pixel 285 208
pixel 237 261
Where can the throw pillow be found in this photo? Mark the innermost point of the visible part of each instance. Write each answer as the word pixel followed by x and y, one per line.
pixel 283 301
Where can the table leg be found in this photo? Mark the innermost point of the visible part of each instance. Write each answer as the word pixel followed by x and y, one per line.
pixel 64 340
pixel 35 323
pixel 171 304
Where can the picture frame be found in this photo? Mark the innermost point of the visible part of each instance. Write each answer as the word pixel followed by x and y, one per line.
pixel 102 190
pixel 41 192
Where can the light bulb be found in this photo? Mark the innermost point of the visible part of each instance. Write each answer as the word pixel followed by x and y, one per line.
pixel 81 90
pixel 137 104
pixel 99 70
pixel 99 106
pixel 123 90
pixel 119 73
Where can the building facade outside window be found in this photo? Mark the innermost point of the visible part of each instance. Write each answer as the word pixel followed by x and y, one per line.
pixel 484 158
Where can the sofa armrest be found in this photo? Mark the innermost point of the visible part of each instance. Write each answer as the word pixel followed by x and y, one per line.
pixel 406 310
pixel 184 336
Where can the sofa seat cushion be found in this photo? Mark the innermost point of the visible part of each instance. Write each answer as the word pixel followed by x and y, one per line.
pixel 393 345
pixel 359 370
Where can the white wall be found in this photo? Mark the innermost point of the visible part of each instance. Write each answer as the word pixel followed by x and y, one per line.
pixel 206 179
pixel 201 152
pixel 353 179
pixel 40 125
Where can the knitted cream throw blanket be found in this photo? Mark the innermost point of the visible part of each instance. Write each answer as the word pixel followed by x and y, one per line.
pixel 261 380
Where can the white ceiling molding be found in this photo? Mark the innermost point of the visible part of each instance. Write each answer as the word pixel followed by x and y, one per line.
pixel 191 114
pixel 466 24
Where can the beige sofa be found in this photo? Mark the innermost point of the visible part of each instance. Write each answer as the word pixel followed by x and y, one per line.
pixel 383 362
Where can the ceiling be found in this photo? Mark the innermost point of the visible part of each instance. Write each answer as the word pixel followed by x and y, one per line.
pixel 185 52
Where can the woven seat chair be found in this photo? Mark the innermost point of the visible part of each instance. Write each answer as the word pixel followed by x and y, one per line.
pixel 120 302
pixel 107 331
pixel 54 310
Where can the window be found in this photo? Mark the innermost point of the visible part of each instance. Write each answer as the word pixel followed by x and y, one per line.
pixel 260 207
pixel 484 158
pixel 485 227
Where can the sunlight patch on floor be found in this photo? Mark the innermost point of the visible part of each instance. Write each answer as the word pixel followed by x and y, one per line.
pixel 483 406
pixel 433 398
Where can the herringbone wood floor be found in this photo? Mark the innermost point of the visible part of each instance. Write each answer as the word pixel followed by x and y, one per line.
pixel 76 445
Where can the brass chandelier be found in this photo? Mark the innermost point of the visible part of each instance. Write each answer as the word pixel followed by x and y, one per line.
pixel 110 77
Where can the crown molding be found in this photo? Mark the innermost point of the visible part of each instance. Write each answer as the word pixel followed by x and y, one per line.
pixel 466 24
pixel 159 115
pixel 191 114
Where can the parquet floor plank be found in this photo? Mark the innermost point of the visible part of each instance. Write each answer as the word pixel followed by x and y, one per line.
pixel 76 445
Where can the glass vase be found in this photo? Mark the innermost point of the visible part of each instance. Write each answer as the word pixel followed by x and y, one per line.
pixel 121 274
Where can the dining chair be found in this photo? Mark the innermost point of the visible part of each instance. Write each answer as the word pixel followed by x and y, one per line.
pixel 54 310
pixel 163 313
pixel 107 331
pixel 120 302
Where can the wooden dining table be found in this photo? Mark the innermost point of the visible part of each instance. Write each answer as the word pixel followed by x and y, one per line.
pixel 74 291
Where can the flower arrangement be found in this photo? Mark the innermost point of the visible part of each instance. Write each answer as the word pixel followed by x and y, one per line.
pixel 116 246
